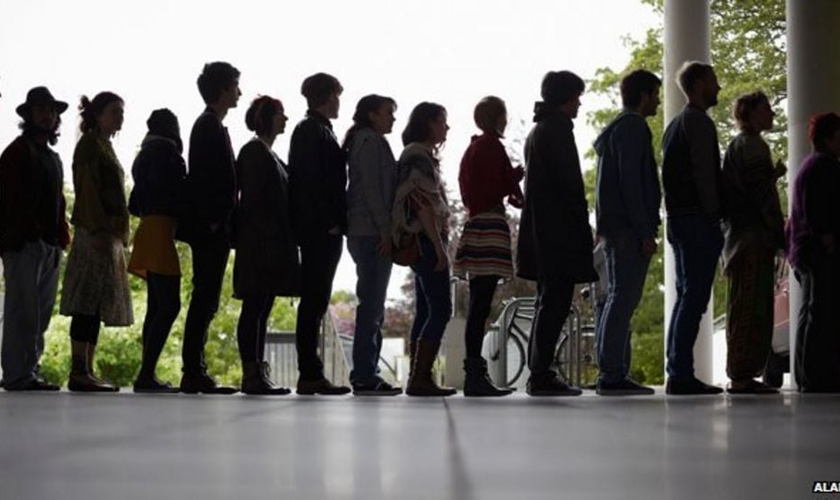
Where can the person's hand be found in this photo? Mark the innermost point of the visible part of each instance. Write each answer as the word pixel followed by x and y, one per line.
pixel 384 247
pixel 780 170
pixel 516 201
pixel 519 172
pixel 649 247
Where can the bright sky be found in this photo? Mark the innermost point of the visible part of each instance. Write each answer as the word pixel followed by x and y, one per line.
pixel 448 51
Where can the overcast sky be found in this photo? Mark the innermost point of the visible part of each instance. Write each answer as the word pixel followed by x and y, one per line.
pixel 449 51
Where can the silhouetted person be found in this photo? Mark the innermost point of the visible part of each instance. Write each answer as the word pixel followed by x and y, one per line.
pixel 211 194
pixel 370 193
pixel 691 177
pixel 812 238
pixel 421 208
pixel 627 197
pixel 266 264
pixel 317 180
pixel 555 239
pixel 33 232
pixel 484 255
pixel 95 286
pixel 157 198
pixel 754 235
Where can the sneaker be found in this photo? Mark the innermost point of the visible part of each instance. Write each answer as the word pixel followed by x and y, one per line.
pixel 380 388
pixel 690 387
pixel 625 387
pixel 551 386
pixel 323 387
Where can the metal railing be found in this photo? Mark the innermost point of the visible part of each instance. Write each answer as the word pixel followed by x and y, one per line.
pixel 281 354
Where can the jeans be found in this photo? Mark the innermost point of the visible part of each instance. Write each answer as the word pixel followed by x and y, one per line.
pixel 209 258
pixel 252 328
pixel 31 285
pixel 373 272
pixel 319 256
pixel 697 243
pixel 626 272
pixel 163 304
pixel 433 296
pixel 554 301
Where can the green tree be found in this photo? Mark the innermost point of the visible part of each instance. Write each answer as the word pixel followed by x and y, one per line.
pixel 748 52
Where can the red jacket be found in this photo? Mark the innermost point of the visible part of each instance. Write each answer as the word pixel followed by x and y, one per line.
pixel 486 176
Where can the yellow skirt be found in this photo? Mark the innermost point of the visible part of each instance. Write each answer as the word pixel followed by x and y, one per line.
pixel 154 248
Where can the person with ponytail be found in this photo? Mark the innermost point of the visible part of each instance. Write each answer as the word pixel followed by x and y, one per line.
pixel 420 207
pixel 266 264
pixel 158 172
pixel 95 286
pixel 373 175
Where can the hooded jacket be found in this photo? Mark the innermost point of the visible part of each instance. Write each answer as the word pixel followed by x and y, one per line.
pixel 627 193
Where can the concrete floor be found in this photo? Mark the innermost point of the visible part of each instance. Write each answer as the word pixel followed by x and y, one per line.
pixel 125 446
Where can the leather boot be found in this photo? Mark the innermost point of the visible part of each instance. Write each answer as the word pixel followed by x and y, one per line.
pixel 421 383
pixel 80 378
pixel 256 380
pixel 477 381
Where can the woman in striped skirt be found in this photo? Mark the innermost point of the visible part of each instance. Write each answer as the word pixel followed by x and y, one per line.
pixel 484 252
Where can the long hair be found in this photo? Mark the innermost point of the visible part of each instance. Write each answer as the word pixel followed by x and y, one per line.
pixel 29 129
pixel 419 122
pixel 89 110
pixel 361 118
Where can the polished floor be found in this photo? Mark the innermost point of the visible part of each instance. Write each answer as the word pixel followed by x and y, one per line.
pixel 125 446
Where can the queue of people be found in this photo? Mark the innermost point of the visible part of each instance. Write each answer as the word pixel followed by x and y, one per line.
pixel 288 222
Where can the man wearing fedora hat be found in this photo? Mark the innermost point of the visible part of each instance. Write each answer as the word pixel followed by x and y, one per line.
pixel 33 231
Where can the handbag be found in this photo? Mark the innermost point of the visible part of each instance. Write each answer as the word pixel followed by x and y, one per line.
pixel 407 252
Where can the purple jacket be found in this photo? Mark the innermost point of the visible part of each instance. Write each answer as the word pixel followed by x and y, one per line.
pixel 815 208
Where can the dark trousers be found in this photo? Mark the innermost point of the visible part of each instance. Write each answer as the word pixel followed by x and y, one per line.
pixel 482 289
pixel 817 362
pixel 163 303
pixel 554 300
pixel 319 256
pixel 433 296
pixel 209 258
pixel 85 328
pixel 252 327
pixel 697 243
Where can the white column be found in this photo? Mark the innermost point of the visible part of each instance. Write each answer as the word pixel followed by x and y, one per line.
pixel 687 38
pixel 813 73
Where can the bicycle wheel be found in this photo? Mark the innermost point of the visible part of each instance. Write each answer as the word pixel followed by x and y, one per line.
pixel 516 359
pixel 567 362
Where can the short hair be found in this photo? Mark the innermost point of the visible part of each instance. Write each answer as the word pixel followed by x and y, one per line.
pixel 318 88
pixel 560 87
pixel 690 73
pixel 637 83
pixel 487 113
pixel 419 127
pixel 821 127
pixel 89 110
pixel 260 115
pixel 744 107
pixel 215 78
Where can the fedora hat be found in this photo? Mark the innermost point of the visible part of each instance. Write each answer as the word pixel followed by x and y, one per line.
pixel 40 95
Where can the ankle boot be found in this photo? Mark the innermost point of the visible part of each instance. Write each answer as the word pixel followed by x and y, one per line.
pixel 256 380
pixel 90 349
pixel 80 379
pixel 477 381
pixel 421 383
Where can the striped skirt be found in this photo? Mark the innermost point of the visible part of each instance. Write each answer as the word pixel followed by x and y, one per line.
pixel 484 248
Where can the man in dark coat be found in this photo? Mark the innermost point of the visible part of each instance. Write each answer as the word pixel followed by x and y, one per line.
pixel 33 232
pixel 211 188
pixel 555 239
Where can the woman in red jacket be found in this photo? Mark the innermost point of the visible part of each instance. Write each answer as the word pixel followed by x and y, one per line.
pixel 484 255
